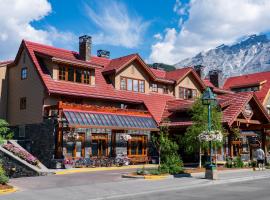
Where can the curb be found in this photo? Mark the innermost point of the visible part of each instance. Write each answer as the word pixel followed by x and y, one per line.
pixel 8 191
pixel 98 169
pixel 148 177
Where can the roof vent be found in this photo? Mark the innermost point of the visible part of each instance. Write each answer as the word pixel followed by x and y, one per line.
pixel 103 53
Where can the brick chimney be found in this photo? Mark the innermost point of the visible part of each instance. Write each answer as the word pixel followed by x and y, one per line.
pixel 199 70
pixel 85 43
pixel 215 77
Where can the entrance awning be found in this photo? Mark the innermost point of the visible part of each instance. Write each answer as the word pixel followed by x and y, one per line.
pixel 109 120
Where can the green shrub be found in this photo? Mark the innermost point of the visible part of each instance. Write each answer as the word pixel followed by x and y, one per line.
pixel 172 164
pixel 154 172
pixel 229 163
pixel 3 178
pixel 238 163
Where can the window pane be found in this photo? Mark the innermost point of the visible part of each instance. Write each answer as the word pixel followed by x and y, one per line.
pixel 78 75
pixel 129 84
pixel 135 86
pixel 24 73
pixel 181 93
pixel 141 87
pixel 70 74
pixel 154 87
pixel 86 76
pixel 62 73
pixel 123 85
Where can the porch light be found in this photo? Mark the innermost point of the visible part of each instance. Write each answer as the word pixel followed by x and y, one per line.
pixel 208 97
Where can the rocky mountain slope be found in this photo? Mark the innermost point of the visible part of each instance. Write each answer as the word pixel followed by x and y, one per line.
pixel 247 56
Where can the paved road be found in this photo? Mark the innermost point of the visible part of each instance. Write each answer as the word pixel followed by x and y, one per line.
pixel 109 185
pixel 248 190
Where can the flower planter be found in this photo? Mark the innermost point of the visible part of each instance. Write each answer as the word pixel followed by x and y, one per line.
pixel 68 166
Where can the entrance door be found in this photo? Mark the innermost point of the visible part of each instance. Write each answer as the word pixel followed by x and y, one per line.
pixel 99 145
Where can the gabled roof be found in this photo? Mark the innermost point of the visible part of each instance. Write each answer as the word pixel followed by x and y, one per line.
pixel 155 103
pixel 179 74
pixel 215 89
pixel 261 78
pixel 235 103
pixel 231 104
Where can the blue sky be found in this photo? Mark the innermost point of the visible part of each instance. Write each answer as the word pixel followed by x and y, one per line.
pixel 159 30
pixel 72 16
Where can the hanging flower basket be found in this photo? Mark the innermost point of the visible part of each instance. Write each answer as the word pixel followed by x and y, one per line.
pixel 214 136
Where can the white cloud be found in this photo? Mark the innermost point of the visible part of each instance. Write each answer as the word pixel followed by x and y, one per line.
pixel 116 24
pixel 15 24
pixel 158 36
pixel 210 24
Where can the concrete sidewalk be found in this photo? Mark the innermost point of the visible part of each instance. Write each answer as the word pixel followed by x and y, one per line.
pixel 119 188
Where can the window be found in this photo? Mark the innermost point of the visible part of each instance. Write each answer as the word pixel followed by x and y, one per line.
pixel 23 103
pixel 137 145
pixel 135 85
pixel 123 84
pixel 165 89
pixel 247 89
pixel 74 75
pixel 130 84
pixel 23 73
pixel 62 73
pixel 70 74
pixel 22 131
pixel 187 93
pixel 141 86
pixel 99 145
pixel 78 75
pixel 86 76
pixel 154 87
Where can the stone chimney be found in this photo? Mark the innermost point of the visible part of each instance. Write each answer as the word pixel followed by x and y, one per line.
pixel 199 70
pixel 103 53
pixel 85 43
pixel 215 77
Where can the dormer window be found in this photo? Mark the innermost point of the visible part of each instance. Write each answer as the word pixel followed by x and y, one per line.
pixel 187 93
pixel 131 84
pixel 72 74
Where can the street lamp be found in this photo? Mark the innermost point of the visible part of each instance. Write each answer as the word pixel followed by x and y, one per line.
pixel 209 99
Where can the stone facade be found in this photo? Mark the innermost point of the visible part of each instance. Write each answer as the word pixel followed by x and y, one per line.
pixel 39 140
pixel 14 168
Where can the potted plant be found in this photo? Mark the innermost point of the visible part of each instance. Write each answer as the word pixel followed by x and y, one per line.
pixel 68 163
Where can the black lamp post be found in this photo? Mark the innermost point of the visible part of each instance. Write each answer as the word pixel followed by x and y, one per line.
pixel 209 99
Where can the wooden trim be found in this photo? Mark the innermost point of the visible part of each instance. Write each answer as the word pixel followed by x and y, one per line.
pixel 139 138
pixel 248 121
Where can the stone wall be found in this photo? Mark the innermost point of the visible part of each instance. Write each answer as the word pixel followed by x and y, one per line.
pixel 14 168
pixel 39 140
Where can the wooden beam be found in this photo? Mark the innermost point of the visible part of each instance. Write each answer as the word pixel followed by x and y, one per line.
pixel 248 121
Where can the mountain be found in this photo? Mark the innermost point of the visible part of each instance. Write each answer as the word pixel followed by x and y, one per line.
pixel 163 66
pixel 250 55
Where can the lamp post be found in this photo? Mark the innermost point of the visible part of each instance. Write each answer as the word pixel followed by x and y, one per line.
pixel 209 99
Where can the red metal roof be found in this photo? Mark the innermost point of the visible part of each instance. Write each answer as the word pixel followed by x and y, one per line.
pixel 247 80
pixel 216 90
